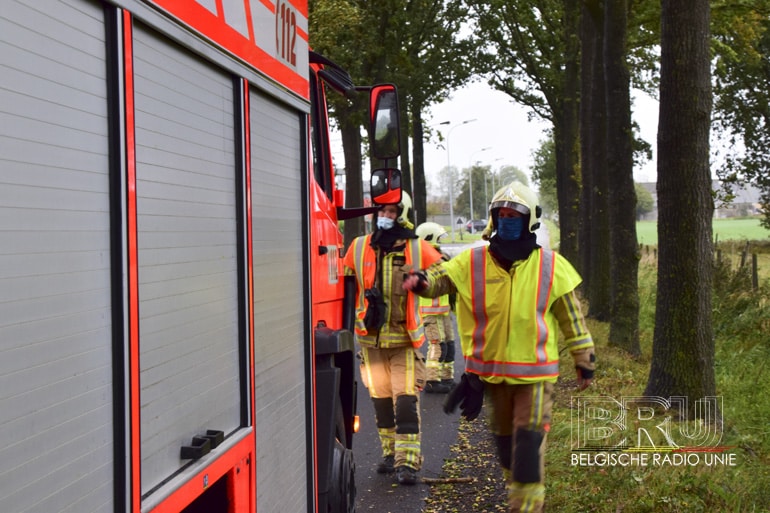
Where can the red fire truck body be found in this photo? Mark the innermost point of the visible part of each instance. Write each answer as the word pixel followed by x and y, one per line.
pixel 171 294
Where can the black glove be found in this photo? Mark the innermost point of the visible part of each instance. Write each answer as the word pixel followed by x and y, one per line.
pixel 583 373
pixel 468 394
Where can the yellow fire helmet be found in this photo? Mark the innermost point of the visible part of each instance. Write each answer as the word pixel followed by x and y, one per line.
pixel 519 197
pixel 431 232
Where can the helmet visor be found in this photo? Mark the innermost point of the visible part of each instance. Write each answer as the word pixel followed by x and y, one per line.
pixel 518 207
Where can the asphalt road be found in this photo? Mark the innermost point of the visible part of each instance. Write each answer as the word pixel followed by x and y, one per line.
pixel 380 493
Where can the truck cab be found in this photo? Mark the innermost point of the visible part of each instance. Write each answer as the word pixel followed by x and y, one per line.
pixel 334 365
pixel 172 304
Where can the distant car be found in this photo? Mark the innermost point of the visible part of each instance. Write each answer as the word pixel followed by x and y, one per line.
pixel 476 225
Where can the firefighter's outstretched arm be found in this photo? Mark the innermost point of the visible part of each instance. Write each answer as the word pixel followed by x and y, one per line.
pixel 430 282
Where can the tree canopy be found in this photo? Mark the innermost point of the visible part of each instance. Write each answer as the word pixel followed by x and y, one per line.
pixel 741 83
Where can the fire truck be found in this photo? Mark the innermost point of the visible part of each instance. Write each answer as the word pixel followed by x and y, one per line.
pixel 172 306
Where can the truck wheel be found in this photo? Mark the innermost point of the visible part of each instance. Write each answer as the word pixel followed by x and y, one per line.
pixel 343 497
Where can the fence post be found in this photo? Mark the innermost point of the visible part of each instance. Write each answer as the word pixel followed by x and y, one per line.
pixel 744 254
pixel 754 272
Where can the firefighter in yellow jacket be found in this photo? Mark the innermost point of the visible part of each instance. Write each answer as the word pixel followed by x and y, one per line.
pixel 389 330
pixel 437 319
pixel 513 297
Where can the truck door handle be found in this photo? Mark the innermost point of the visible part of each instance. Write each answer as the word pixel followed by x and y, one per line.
pixel 202 444
pixel 200 447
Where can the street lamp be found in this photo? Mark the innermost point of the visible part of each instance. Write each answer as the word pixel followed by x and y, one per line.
pixel 470 184
pixel 449 170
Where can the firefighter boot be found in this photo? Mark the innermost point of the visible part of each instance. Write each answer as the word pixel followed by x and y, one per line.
pixel 406 475
pixel 437 387
pixel 386 465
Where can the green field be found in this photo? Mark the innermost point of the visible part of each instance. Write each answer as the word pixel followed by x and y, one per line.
pixel 724 229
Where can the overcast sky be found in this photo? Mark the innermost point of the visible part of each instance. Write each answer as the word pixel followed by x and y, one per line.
pixel 501 133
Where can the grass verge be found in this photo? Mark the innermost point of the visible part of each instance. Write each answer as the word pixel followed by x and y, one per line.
pixel 738 481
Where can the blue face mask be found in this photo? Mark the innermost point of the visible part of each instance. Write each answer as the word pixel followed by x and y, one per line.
pixel 385 223
pixel 510 228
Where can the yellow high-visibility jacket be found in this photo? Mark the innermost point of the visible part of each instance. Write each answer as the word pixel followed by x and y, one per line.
pixel 508 330
pixel 435 305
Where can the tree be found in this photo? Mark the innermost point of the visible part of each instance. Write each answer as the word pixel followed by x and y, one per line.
pixel 683 344
pixel 742 79
pixel 508 174
pixel 338 29
pixel 544 175
pixel 415 44
pixel 434 61
pixel 595 255
pixel 624 253
pixel 529 52
pixel 463 199
pixel 644 201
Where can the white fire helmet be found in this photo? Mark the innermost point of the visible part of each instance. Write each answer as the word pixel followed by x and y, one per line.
pixel 519 197
pixel 431 232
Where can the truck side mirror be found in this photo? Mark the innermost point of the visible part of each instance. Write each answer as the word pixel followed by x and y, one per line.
pixel 384 122
pixel 385 186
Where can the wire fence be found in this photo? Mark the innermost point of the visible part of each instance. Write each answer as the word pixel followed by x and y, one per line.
pixel 738 259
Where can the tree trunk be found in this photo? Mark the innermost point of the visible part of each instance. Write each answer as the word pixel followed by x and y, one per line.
pixel 587 168
pixel 351 147
pixel 418 167
pixel 683 344
pixel 566 139
pixel 406 167
pixel 624 325
pixel 595 228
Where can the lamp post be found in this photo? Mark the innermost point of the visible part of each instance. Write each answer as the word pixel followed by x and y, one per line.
pixel 486 194
pixel 470 184
pixel 451 175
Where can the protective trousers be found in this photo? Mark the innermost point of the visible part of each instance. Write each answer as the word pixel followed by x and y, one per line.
pixel 447 363
pixel 433 363
pixel 520 418
pixel 439 332
pixel 394 377
pixel 434 334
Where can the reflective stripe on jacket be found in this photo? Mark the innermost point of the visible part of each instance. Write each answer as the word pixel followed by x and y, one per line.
pixel 434 305
pixel 362 259
pixel 508 332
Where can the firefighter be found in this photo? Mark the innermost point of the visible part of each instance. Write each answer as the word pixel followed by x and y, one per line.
pixel 512 298
pixel 389 330
pixel 439 331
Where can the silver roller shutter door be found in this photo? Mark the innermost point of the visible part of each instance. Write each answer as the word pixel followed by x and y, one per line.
pixel 276 176
pixel 56 431
pixel 188 290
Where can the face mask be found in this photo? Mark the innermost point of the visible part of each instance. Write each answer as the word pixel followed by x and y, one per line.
pixel 510 228
pixel 385 223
